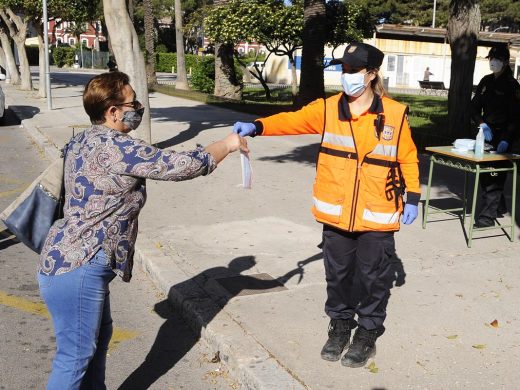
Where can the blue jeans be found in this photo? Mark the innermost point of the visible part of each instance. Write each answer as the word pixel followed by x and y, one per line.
pixel 79 304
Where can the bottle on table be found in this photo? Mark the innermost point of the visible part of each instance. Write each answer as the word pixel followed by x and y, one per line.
pixel 479 143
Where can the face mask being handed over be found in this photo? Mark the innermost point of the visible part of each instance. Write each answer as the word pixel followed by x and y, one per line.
pixel 495 65
pixel 353 83
pixel 133 119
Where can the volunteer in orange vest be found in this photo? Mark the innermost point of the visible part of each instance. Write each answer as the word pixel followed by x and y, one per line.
pixel 366 161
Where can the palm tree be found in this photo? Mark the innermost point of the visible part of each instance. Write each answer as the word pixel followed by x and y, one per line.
pixel 226 81
pixel 182 79
pixel 463 28
pixel 313 36
pixel 149 42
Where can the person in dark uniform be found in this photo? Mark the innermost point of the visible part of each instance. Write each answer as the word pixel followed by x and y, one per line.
pixel 495 109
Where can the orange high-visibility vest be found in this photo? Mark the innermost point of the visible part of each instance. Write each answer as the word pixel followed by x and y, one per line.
pixel 352 191
pixel 357 193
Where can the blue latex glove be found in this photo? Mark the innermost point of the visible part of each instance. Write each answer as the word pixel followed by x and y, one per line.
pixel 410 213
pixel 244 129
pixel 488 134
pixel 502 146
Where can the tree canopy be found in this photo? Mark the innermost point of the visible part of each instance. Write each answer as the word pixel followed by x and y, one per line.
pixel 503 14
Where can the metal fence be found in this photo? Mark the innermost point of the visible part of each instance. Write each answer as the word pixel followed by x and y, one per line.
pixel 92 58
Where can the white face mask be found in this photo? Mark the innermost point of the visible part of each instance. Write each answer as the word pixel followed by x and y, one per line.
pixel 495 65
pixel 353 83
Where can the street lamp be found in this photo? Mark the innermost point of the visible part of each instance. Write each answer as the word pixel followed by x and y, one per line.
pixel 434 8
pixel 46 47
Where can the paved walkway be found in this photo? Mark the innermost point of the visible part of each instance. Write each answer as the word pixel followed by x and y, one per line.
pixel 243 265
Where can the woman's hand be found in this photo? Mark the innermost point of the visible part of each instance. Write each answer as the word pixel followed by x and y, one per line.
pixel 231 143
pixel 235 142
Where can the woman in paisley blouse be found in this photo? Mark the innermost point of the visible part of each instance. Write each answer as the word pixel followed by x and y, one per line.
pixel 105 176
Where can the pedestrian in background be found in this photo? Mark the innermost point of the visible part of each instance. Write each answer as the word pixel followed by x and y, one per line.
pixel 105 189
pixel 365 158
pixel 427 74
pixel 495 108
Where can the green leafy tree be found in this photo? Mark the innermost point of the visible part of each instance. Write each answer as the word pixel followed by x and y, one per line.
pixel 408 12
pixel 500 15
pixel 6 43
pixel 276 26
pixel 18 24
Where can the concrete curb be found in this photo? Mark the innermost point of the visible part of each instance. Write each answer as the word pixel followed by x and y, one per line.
pixel 251 364
pixel 50 150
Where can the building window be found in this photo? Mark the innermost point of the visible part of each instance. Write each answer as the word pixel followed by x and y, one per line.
pixel 391 64
pixel 72 41
pixel 84 42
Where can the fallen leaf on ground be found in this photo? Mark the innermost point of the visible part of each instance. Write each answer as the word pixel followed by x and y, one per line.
pixel 216 358
pixel 372 368
pixel 479 346
pixel 494 324
pixel 452 337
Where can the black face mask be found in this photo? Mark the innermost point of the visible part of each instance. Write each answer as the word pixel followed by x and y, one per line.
pixel 133 119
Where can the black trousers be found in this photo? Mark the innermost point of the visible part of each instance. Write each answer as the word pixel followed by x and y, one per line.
pixel 493 200
pixel 358 274
pixel 492 184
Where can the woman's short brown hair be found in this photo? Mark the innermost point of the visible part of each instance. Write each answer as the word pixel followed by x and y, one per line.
pixel 103 91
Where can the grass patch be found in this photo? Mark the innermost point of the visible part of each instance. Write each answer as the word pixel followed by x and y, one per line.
pixel 428 119
pixel 428 114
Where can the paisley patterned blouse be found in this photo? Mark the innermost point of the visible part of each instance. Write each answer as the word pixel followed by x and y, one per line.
pixel 105 173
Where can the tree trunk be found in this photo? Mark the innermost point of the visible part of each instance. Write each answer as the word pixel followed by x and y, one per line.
pixel 6 42
pixel 182 79
pixel 149 43
pixel 313 36
pixel 463 28
pixel 130 5
pixel 18 31
pixel 226 82
pixel 294 77
pixel 129 58
pixel 42 92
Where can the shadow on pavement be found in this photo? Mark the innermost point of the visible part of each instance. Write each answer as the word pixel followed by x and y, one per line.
pixel 7 239
pixel 187 115
pixel 306 154
pixel 167 350
pixel 14 112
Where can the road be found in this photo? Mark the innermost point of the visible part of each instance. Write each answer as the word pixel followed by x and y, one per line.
pixel 152 347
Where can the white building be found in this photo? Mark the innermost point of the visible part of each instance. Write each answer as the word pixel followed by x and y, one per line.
pixel 408 51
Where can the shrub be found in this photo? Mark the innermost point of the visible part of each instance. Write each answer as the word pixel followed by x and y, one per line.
pixel 63 55
pixel 203 75
pixel 161 48
pixel 165 62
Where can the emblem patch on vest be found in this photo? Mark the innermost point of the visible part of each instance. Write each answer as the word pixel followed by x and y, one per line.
pixel 388 133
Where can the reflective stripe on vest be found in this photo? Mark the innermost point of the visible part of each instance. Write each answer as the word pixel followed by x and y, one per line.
pixel 338 140
pixel 385 150
pixel 327 208
pixel 381 218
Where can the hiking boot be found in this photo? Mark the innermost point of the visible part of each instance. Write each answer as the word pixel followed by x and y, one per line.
pixel 339 339
pixel 362 348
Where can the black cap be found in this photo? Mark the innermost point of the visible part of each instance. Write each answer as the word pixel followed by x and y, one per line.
pixel 360 55
pixel 500 52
